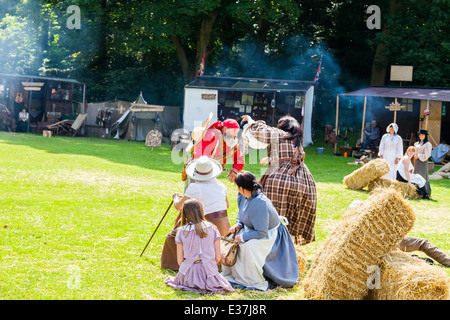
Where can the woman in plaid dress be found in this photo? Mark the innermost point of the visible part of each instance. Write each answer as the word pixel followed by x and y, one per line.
pixel 288 182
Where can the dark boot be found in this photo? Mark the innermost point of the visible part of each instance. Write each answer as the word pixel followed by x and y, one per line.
pixel 423 192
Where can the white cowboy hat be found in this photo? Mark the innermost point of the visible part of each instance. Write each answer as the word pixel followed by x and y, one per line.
pixel 203 169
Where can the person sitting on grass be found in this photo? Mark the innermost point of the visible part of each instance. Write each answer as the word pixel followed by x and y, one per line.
pixel 267 256
pixel 211 193
pixel 198 253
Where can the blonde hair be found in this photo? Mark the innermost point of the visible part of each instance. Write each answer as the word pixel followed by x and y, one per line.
pixel 192 212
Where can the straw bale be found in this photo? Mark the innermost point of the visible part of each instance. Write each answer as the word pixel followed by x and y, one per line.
pixel 403 277
pixel 302 259
pixel 361 177
pixel 407 191
pixel 361 238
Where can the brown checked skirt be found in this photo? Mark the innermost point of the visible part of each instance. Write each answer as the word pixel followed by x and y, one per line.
pixel 295 197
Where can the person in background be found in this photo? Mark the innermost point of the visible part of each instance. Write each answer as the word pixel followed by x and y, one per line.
pixel 405 173
pixel 23 120
pixel 423 153
pixel 198 253
pixel 373 136
pixel 6 120
pixel 391 149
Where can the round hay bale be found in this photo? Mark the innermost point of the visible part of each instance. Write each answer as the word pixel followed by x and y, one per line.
pixel 435 176
pixel 407 191
pixel 361 177
pixel 362 237
pixel 404 277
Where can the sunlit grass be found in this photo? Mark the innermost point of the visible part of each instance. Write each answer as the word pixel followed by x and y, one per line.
pixel 75 214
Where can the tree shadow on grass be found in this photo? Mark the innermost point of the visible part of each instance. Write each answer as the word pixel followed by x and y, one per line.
pixel 325 168
pixel 118 151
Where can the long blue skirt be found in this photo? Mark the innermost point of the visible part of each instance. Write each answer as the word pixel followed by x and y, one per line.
pixel 281 266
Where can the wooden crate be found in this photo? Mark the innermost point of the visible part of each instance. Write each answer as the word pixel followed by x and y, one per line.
pixel 47 133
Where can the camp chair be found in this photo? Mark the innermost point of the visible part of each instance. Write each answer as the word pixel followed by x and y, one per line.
pixel 58 127
pixel 67 125
pixel 75 127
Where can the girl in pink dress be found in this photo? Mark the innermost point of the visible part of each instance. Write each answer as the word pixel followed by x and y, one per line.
pixel 198 252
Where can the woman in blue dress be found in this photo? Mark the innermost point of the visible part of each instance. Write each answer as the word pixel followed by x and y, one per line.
pixel 267 255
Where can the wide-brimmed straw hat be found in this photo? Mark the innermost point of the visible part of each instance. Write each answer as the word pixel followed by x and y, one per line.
pixel 203 169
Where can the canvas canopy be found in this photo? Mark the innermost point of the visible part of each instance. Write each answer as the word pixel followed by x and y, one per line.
pixel 137 121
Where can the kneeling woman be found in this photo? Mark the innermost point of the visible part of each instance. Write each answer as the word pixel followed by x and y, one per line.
pixel 267 253
pixel 405 173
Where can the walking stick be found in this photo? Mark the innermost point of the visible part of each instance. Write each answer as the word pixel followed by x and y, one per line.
pixel 157 228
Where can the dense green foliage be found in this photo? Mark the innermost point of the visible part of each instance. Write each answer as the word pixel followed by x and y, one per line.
pixel 124 47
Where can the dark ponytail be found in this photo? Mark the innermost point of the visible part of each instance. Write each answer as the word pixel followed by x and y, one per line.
pixel 247 180
pixel 293 128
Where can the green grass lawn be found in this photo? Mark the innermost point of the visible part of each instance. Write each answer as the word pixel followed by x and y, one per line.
pixel 75 214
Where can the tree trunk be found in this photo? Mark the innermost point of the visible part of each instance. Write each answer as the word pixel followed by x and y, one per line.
pixel 380 61
pixel 182 58
pixel 204 36
pixel 379 66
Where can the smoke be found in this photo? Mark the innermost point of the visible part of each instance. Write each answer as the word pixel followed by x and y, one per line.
pixel 295 58
pixel 19 41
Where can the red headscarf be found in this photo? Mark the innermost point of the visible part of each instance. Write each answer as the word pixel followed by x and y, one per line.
pixel 229 123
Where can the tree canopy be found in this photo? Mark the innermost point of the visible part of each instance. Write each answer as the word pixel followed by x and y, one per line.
pixel 123 47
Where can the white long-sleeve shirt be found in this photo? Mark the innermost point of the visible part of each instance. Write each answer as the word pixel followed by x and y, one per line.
pixel 23 116
pixel 423 150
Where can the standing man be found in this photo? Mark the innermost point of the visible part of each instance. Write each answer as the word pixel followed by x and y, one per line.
pixel 373 136
pixel 221 143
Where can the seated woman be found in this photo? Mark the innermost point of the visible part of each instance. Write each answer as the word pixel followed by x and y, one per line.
pixel 22 126
pixel 211 193
pixel 267 253
pixel 405 173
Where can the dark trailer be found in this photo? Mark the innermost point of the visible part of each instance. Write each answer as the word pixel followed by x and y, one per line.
pixel 46 99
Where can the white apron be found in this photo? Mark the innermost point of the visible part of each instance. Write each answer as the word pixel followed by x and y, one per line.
pixel 248 270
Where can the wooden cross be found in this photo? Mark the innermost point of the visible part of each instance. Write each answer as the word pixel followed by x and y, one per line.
pixel 395 106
